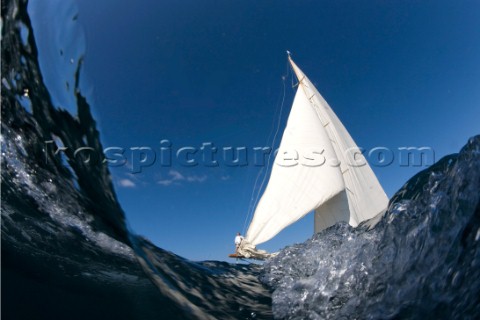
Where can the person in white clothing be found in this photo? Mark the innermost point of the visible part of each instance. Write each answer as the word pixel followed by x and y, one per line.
pixel 238 240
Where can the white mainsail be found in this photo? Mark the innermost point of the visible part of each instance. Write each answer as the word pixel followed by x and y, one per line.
pixel 318 167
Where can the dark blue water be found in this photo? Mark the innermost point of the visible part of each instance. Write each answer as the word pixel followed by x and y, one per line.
pixel 422 261
pixel 67 253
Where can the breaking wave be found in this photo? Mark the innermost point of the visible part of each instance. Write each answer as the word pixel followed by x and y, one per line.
pixel 421 261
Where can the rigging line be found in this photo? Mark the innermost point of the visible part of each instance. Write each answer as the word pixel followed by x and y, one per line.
pixel 257 198
pixel 293 84
pixel 253 203
pixel 250 206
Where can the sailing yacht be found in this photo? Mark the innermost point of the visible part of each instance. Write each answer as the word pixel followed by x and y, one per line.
pixel 319 169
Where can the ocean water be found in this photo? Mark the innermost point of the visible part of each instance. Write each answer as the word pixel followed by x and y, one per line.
pixel 422 261
pixel 68 254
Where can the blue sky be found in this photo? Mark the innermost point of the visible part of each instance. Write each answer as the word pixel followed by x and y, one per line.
pixel 397 73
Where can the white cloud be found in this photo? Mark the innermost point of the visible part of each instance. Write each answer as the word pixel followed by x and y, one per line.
pixel 176 177
pixel 196 178
pixel 165 182
pixel 127 183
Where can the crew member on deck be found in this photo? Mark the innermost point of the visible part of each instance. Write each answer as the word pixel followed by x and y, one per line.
pixel 238 240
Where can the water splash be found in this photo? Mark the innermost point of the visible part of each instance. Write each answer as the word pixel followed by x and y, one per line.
pixel 421 261
pixel 66 249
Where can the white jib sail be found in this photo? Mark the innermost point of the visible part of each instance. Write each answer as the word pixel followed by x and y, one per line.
pixel 366 197
pixel 318 167
pixel 302 178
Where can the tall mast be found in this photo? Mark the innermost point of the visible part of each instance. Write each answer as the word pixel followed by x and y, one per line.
pixel 298 73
